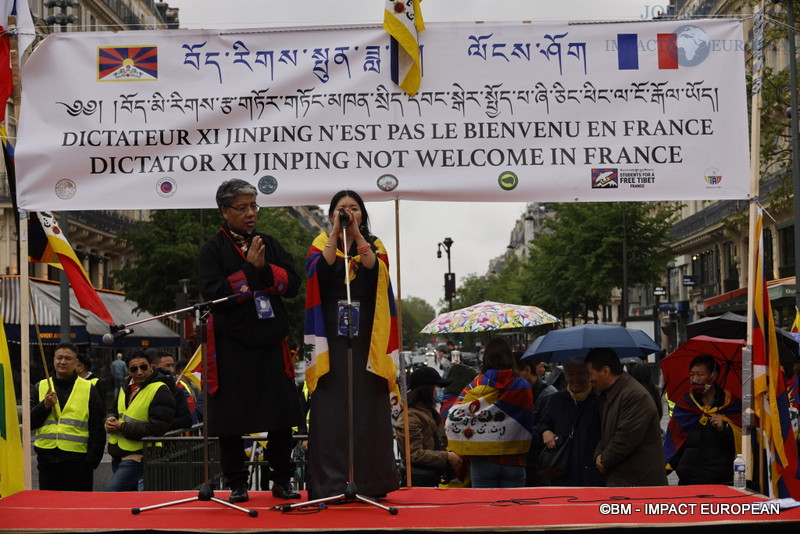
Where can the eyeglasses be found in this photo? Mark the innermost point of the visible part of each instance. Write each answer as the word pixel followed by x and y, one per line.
pixel 241 209
pixel 133 368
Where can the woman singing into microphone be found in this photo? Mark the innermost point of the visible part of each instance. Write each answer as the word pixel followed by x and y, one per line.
pixel 373 337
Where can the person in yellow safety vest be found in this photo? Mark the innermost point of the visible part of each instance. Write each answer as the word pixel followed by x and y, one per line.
pixel 145 407
pixel 84 370
pixel 67 415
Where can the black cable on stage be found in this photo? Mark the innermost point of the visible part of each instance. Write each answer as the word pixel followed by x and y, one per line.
pixel 570 499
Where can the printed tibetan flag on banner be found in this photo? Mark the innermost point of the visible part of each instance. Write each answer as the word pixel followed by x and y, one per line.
pixel 402 19
pixel 12 476
pixel 48 245
pixel 771 399
pixel 122 63
pixel 629 45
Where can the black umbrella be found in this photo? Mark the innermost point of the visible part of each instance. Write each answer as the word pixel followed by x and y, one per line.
pixel 731 325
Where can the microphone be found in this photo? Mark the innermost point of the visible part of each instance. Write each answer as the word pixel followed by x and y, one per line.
pixel 108 339
pixel 344 218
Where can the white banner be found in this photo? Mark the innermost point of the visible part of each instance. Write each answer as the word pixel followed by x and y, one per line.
pixel 506 112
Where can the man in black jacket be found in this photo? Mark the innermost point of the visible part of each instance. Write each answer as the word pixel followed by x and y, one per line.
pixel 145 407
pixel 67 414
pixel 255 372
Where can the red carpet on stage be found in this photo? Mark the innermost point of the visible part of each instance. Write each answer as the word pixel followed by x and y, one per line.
pixel 418 509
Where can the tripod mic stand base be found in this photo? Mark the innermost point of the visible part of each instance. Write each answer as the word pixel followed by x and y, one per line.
pixel 205 494
pixel 344 497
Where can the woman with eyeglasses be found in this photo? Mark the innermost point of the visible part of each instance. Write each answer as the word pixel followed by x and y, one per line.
pixel 144 407
pixel 255 389
pixel 349 305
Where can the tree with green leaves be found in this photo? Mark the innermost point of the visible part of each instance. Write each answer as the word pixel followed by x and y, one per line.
pixel 167 246
pixel 575 264
pixel 416 314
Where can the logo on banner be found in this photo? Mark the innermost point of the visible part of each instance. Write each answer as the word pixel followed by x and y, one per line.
pixel 605 178
pixel 166 187
pixel 713 176
pixel 127 64
pixel 687 46
pixel 387 182
pixel 267 185
pixel 65 189
pixel 507 180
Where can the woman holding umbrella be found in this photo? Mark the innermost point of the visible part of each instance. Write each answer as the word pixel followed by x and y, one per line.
pixel 705 428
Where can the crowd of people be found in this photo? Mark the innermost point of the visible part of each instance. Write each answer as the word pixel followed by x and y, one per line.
pixel 504 425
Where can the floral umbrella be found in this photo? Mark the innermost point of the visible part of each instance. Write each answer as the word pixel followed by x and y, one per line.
pixel 488 316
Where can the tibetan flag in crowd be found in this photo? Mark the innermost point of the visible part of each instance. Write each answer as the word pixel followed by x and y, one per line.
pixel 771 400
pixel 12 476
pixel 402 19
pixel 492 416
pixel 48 245
pixel 793 383
pixel 194 368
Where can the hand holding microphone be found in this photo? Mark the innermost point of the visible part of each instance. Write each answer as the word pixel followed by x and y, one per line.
pixel 344 217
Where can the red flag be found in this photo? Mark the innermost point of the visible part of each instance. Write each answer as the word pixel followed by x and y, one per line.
pixel 6 79
pixel 48 245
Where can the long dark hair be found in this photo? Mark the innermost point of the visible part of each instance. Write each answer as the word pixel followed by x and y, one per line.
pixel 422 396
pixel 498 355
pixel 365 231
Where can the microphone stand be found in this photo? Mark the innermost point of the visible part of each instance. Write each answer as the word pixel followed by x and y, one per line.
pixel 351 490
pixel 206 493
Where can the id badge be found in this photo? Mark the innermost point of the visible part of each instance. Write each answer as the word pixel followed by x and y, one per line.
pixel 345 317
pixel 263 305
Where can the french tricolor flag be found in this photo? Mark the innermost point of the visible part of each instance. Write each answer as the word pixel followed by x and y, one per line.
pixel 628 51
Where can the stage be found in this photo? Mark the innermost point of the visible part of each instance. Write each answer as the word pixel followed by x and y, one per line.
pixel 710 508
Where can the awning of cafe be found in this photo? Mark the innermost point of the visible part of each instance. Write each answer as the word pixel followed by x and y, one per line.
pixel 85 327
pixel 736 300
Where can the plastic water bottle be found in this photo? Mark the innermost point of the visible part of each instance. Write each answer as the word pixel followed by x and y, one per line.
pixel 739 481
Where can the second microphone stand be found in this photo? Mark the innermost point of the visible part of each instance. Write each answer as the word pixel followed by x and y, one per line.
pixel 206 492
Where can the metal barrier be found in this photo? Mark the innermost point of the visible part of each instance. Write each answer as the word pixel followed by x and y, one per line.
pixel 175 461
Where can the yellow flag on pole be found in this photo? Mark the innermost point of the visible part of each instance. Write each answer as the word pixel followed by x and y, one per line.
pixel 402 19
pixel 12 475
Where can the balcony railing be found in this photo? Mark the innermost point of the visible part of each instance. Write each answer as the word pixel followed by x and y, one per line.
pixel 717 211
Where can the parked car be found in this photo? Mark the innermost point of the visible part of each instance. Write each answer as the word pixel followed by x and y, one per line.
pixel 469 358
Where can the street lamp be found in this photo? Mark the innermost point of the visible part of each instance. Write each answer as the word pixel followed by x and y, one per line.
pixel 449 277
pixel 61 18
